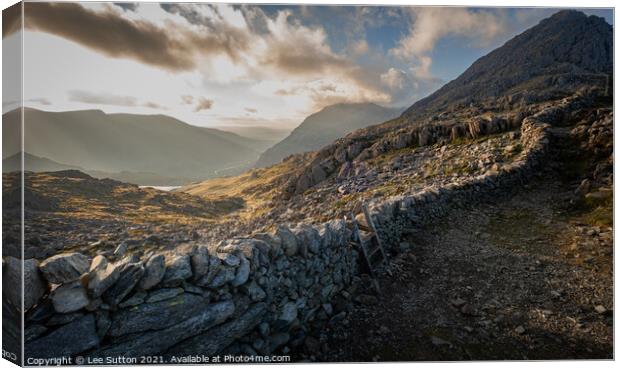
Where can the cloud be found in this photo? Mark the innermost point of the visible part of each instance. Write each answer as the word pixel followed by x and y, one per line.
pixel 128 6
pixel 431 24
pixel 216 35
pixel 406 86
pixel 154 105
pixel 243 45
pixel 296 49
pixel 359 47
pixel 109 33
pixel 187 99
pixel 15 104
pixel 101 98
pixel 255 18
pixel 203 104
pixel 394 79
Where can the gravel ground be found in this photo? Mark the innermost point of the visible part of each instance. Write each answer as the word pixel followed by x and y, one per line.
pixel 515 278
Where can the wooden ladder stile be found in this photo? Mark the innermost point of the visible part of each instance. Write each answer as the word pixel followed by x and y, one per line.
pixel 370 245
pixel 375 237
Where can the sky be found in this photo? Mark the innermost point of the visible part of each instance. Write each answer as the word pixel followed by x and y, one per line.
pixel 244 65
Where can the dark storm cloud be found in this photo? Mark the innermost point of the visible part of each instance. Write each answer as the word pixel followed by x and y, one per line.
pixel 110 34
pixel 11 20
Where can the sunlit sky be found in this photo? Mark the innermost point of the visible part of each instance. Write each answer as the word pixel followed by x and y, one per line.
pixel 223 65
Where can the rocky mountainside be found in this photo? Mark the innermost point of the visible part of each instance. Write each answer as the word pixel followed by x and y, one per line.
pixel 143 144
pixel 325 126
pixel 553 56
pixel 493 95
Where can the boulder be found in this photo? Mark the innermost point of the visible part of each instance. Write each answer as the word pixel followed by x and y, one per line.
pixel 254 291
pixel 318 174
pixel 287 315
pixel 64 267
pixel 178 269
pixel 224 276
pixel 215 340
pixel 68 340
pixel 303 183
pixel 243 273
pixel 157 342
pixel 130 275
pixel 101 276
pixel 69 297
pixel 230 260
pixel 154 271
pixel 247 247
pixel 12 270
pixel 214 269
pixel 309 237
pixel 200 262
pixel 156 316
pixel 274 241
pixel 289 241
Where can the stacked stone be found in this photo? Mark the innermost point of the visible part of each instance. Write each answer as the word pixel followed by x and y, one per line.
pixel 204 297
pixel 396 214
pixel 258 294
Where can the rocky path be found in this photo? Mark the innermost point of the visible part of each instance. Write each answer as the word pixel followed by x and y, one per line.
pixel 518 277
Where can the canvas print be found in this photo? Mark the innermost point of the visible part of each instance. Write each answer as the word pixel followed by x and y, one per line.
pixel 195 183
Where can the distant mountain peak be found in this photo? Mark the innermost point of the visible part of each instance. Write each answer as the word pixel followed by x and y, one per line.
pixel 325 126
pixel 568 43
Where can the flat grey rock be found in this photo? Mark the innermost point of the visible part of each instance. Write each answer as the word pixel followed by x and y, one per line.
pixel 64 267
pixel 156 316
pixel 68 340
pixel 130 275
pixel 216 339
pixel 101 276
pixel 69 297
pixel 154 271
pixel 157 342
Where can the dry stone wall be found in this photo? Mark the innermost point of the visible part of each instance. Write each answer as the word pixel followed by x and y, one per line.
pixel 261 292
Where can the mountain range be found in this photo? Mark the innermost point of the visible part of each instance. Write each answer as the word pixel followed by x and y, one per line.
pixel 150 146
